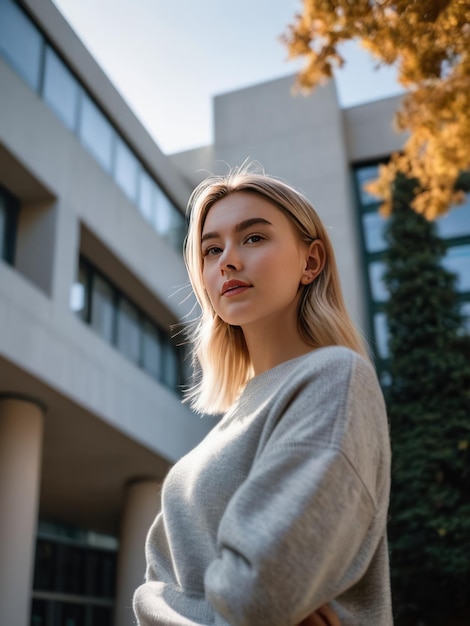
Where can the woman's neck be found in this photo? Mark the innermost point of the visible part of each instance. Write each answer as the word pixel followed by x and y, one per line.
pixel 269 346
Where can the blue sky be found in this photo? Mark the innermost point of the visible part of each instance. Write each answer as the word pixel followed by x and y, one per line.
pixel 168 58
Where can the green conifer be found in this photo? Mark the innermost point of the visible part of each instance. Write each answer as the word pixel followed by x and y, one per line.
pixel 428 402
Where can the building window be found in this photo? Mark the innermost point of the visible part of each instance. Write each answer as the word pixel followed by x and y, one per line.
pixel 74 578
pixel 126 170
pixel 96 133
pixel 25 49
pixel 128 330
pixel 60 90
pixel 102 308
pixel 97 302
pixel 9 208
pixel 21 42
pixel 453 228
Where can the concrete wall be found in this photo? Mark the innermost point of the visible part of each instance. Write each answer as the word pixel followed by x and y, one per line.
pixel 370 131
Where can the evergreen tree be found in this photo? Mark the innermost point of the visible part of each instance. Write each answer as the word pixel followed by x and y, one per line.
pixel 429 409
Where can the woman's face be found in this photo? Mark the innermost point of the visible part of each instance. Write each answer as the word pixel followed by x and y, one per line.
pixel 253 262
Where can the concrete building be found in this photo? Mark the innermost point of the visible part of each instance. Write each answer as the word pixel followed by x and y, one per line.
pixel 92 279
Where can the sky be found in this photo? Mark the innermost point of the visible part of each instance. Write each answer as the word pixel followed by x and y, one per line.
pixel 169 58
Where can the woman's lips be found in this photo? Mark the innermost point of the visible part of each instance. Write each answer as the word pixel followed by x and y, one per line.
pixel 234 287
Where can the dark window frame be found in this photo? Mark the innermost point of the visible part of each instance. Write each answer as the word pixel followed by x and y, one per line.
pixel 91 271
pixel 12 209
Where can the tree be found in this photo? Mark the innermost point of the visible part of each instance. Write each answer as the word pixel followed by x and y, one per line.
pixel 428 402
pixel 429 40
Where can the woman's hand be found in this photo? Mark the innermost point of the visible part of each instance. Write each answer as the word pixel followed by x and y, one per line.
pixel 324 616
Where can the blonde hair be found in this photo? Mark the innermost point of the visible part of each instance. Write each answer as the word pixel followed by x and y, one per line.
pixel 220 354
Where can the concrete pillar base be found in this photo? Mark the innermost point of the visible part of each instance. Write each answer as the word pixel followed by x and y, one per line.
pixel 21 430
pixel 141 505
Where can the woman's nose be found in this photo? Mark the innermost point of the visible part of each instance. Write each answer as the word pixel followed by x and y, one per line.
pixel 229 260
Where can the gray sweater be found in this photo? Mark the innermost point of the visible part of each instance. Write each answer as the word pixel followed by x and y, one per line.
pixel 281 508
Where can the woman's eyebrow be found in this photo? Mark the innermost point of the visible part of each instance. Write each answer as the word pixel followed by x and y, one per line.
pixel 239 227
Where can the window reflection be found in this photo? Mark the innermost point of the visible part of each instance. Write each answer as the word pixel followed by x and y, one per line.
pixel 102 308
pixel 366 175
pixel 377 284
pixel 21 42
pixel 457 260
pixel 151 350
pixel 374 226
pixel 3 226
pixel 60 89
pixel 128 330
pixel 381 334
pixel 126 169
pixel 96 133
pixel 163 212
pixel 465 310
pixel 170 368
pixel 457 221
pixel 147 193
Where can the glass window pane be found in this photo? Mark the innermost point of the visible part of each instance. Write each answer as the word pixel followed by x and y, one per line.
pixel 128 330
pixel 126 169
pixel 377 285
pixel 457 260
pixel 170 365
pixel 465 310
pixel 3 226
pixel 381 334
pixel 102 616
pixel 178 229
pixel 21 42
pixel 79 294
pixel 457 221
pixel 147 192
pixel 169 222
pixel 102 308
pixel 71 569
pixel 96 133
pixel 60 89
pixel 151 350
pixel 108 575
pixel 45 566
pixel 162 214
pixel 374 226
pixel 70 614
pixel 39 613
pixel 366 175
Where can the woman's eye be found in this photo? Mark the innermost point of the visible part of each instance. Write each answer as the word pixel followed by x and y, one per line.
pixel 254 239
pixel 211 251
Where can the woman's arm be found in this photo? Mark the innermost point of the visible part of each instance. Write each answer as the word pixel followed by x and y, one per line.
pixel 306 524
pixel 290 538
pixel 324 616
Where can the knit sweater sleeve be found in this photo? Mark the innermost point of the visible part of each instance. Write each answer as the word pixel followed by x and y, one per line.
pixel 296 534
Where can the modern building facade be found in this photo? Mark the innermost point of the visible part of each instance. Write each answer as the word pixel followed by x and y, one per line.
pixel 92 283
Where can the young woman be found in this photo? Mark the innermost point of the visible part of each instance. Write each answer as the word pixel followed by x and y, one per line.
pixel 278 517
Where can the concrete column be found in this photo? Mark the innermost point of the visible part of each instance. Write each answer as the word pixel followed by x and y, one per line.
pixel 21 429
pixel 141 505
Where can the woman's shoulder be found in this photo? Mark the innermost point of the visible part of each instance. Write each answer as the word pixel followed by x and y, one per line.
pixel 333 364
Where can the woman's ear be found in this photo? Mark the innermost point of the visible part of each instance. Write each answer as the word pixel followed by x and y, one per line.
pixel 314 262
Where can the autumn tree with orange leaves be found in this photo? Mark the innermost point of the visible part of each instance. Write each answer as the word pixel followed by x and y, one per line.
pixel 429 41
